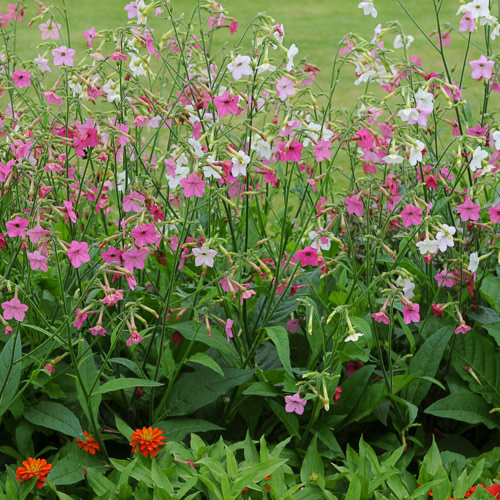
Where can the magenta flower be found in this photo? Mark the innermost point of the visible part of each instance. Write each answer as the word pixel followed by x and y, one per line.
pixel 89 36
pixel 97 330
pixel 132 200
pixel 354 205
pixel 293 152
pixel 462 328
pixel 63 56
pixel 21 78
pixel 468 210
pixel 134 258
pixel 229 329
pixel 411 313
pixel 112 254
pixel 38 261
pixel 227 105
pixel 481 68
pixel 381 317
pixel 322 150
pixel 16 227
pixel 14 309
pixel 411 215
pixel 78 253
pixel 53 98
pixel 494 213
pixel 307 257
pixel 295 404
pixel 193 185
pixel 144 234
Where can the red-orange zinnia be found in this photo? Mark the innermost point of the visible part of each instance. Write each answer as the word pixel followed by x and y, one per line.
pixel 90 444
pixel 148 440
pixel 34 467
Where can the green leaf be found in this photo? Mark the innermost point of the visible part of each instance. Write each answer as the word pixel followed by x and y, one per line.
pixel 125 383
pixel 67 470
pixel 177 429
pixel 289 420
pixel 55 416
pixel 205 360
pixel 426 361
pixel 99 483
pixel 312 466
pixel 261 389
pixel 490 290
pixel 195 390
pixel 279 337
pixel 464 407
pixel 10 371
pixel 124 428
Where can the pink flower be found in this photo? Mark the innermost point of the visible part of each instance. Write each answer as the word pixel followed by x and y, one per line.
pixel 144 234
pixel 97 330
pixel 411 313
pixel 78 253
pixel 134 258
pixel 50 30
pixel 322 150
pixel 467 23
pixel 411 215
pixel 131 9
pixel 444 39
pixel 80 318
pixel 112 254
pixel 444 278
pixel 21 78
pixel 134 338
pixel 14 309
pixel 204 256
pixel 354 205
pixel 468 210
pixel 132 200
pixel 37 233
pixel 494 213
pixel 16 226
pixel 293 152
pixel 89 36
pixel 38 261
pixel 53 98
pixel 229 331
pixel 295 404
pixel 292 325
pixel 381 317
pixel 462 328
pixel 63 56
pixel 50 368
pixel 227 105
pixel 481 68
pixel 285 88
pixel 193 185
pixel 307 257
pixel 112 297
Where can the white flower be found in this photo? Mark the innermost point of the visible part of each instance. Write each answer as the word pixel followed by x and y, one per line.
pixel 426 98
pixel 495 31
pixel 262 148
pixel 477 157
pixel 473 262
pixel 209 171
pixel 240 66
pixel 75 85
pixel 135 66
pixel 323 241
pixel 121 181
pixel 240 163
pixel 445 238
pixel 142 10
pixel 198 150
pixel 292 52
pixel 368 8
pixel 488 21
pixel 393 159
pixel 266 66
pixel 409 115
pixel 180 173
pixel 204 256
pixel 496 138
pixel 112 90
pixel 353 337
pixel 408 287
pixel 416 152
pixel 478 8
pixel 366 77
pixel 427 246
pixel 42 64
pixel 400 42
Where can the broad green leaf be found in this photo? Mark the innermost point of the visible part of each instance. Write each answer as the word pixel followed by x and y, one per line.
pixel 99 483
pixel 195 390
pixel 55 416
pixel 490 290
pixel 426 361
pixel 205 360
pixel 124 428
pixel 10 371
pixel 125 383
pixel 87 381
pixel 261 389
pixel 67 470
pixel 312 467
pixel 289 420
pixel 279 337
pixel 178 428
pixel 464 407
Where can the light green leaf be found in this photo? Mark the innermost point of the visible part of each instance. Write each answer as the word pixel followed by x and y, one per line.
pixel 205 360
pixel 125 383
pixel 279 337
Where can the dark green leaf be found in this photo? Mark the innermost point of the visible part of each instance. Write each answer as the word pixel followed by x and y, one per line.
pixel 55 416
pixel 279 337
pixel 125 383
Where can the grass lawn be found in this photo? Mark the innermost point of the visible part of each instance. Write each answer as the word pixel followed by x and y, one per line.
pixel 316 30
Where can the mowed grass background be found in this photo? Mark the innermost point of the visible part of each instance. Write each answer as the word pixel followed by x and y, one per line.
pixel 316 27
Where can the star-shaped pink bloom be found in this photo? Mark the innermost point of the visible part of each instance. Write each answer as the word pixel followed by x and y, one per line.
pixel 37 233
pixel 411 313
pixel 411 215
pixel 494 213
pixel 354 205
pixel 292 152
pixel 53 98
pixel 285 88
pixel 21 78
pixel 481 68
pixel 193 185
pixel 322 150
pixel 134 258
pixel 295 404
pixel 38 261
pixel 307 257
pixel 89 36
pixel 468 210
pixel 63 56
pixel 132 200
pixel 144 234
pixel 227 105
pixel 467 23
pixel 78 253
pixel 16 227
pixel 50 30
pixel 14 309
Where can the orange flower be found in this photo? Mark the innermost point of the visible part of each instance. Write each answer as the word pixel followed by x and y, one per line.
pixel 34 467
pixel 90 444
pixel 148 440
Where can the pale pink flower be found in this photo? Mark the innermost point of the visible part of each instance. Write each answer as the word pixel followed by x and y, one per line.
pixel 37 233
pixel 240 66
pixel 467 23
pixel 89 36
pixel 134 258
pixel 14 309
pixel 204 256
pixel 322 150
pixel 38 261
pixel 50 30
pixel 381 317
pixel 295 404
pixel 285 88
pixel 354 205
pixel 411 313
pixel 63 56
pixel 132 200
pixel 53 98
pixel 481 68
pixel 78 253
pixel 494 213
pixel 229 331
pixel 131 9
pixel 193 185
